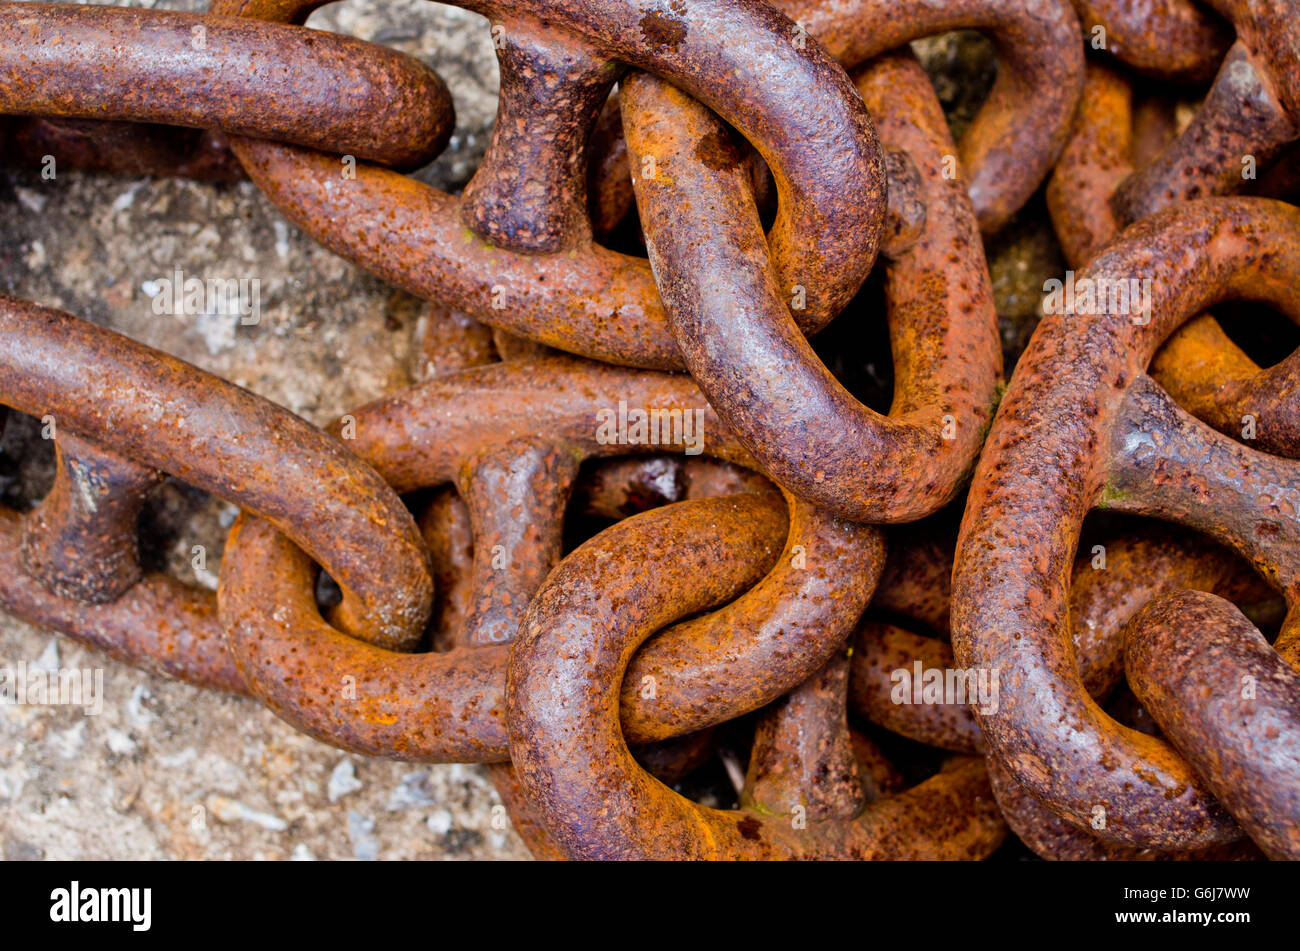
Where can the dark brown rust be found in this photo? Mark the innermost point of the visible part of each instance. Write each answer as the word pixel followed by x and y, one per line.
pixel 1229 703
pixel 1178 40
pixel 1018 132
pixel 576 640
pixel 448 706
pixel 1251 114
pixel 792 102
pixel 171 416
pixel 610 199
pixel 1052 454
pixel 731 314
pixel 1109 587
pixel 530 192
pixel 124 148
pixel 285 83
pixel 159 624
pixel 1205 480
pixel 81 541
pixel 1054 839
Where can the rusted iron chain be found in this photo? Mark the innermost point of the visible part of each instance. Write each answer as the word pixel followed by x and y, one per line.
pixel 285 83
pixel 1230 703
pixel 511 435
pixel 516 251
pixel 1017 134
pixel 1014 138
pixel 159 624
pixel 616 488
pixel 802 793
pixel 1177 40
pixel 70 564
pixel 1109 586
pixel 1252 112
pixel 167 415
pixel 733 321
pixel 737 585
pixel 1082 426
pixel 688 665
pixel 551 298
pixel 1199 365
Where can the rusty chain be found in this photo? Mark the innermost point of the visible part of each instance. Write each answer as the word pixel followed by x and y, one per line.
pixel 778 578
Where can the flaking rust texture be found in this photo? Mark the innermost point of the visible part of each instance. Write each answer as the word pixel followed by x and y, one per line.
pixel 168 771
pixel 1024 253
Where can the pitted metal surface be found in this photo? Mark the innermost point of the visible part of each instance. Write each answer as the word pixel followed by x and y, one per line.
pixel 624 523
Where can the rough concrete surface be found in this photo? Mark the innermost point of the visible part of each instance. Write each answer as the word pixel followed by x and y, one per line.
pixel 167 771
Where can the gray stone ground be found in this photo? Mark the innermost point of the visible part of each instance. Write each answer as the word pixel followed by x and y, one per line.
pixel 167 771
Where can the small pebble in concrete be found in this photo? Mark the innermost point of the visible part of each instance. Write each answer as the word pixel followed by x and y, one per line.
pixel 343 781
pixel 361 830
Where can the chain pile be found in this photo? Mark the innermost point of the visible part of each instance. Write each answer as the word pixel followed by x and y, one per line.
pixel 1112 702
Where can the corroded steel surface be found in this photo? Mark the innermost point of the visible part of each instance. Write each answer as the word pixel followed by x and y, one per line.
pixel 315 89
pixel 538 418
pixel 1137 569
pixel 579 633
pixel 1200 366
pixel 553 283
pixel 1230 703
pixel 1019 130
pixel 1251 114
pixel 1081 425
pixel 1180 40
pixel 603 577
pixel 731 313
